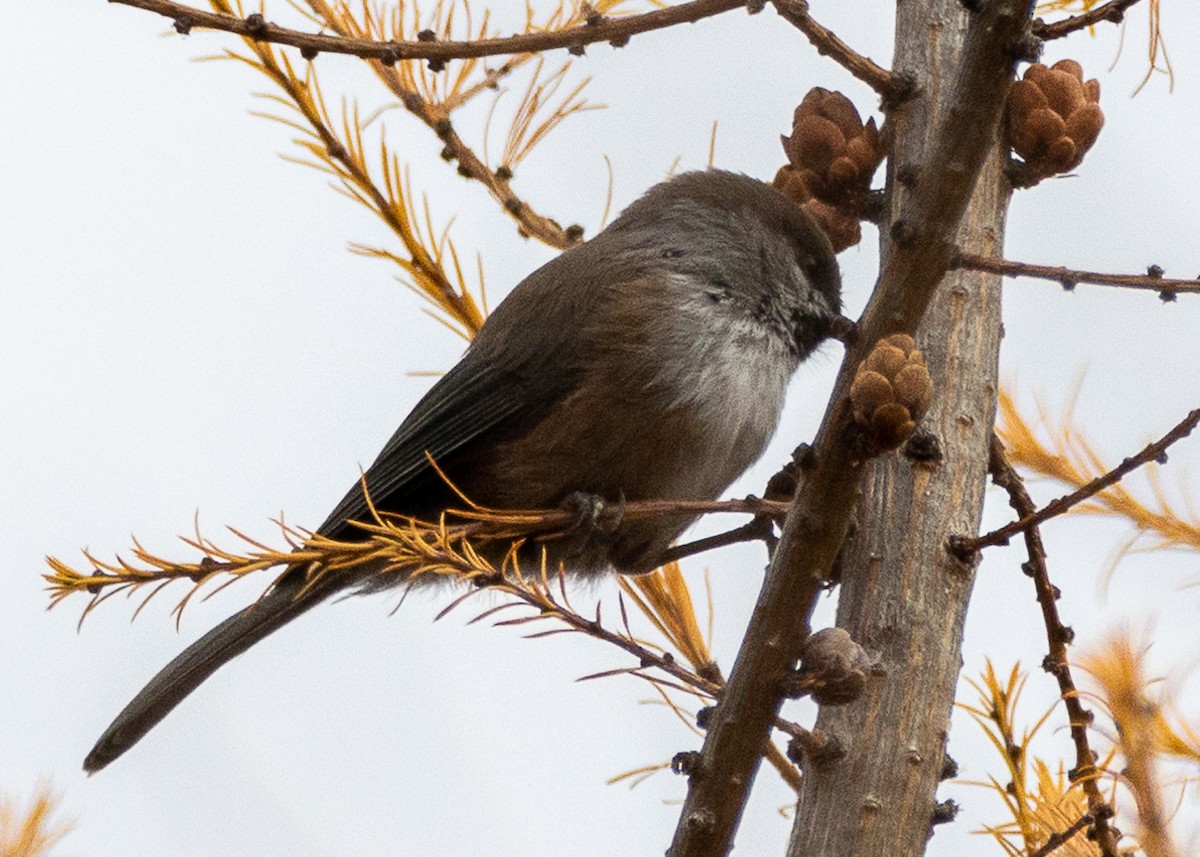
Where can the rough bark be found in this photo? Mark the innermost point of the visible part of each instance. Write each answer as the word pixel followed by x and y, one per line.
pixel 903 596
pixel 943 140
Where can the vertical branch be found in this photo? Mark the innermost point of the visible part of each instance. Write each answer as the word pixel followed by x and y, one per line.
pixel 903 596
pixel 1058 636
pixel 944 136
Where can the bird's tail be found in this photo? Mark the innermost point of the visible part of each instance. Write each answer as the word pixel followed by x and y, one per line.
pixel 197 662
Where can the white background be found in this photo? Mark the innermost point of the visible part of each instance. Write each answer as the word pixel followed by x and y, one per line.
pixel 183 332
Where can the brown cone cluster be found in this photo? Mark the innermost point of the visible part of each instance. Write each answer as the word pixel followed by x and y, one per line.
pixel 830 148
pixel 891 391
pixel 831 158
pixel 843 230
pixel 1054 117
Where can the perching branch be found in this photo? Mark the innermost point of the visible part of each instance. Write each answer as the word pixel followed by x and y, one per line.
pixel 1156 451
pixel 394 542
pixel 1113 10
pixel 616 31
pixel 409 541
pixel 1058 636
pixel 1068 278
pixel 892 87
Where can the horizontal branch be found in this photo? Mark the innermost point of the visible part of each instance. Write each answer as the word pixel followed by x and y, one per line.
pixel 1069 278
pixel 599 29
pixel 412 542
pixel 1113 10
pixel 892 87
pixel 1156 451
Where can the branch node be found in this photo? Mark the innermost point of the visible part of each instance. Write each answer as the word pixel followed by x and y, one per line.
pixel 944 812
pixel 256 25
pixel 183 25
pixel 949 769
pixel 700 821
pixel 686 763
pixel 903 234
pixel 902 88
pixel 872 206
pixel 907 174
pixel 924 449
pixel 815 748
pixel 961 549
pixel 1028 48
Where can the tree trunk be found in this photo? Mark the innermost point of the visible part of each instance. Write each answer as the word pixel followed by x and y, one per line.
pixel 903 596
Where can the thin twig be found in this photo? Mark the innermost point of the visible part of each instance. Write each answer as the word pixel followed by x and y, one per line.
pixel 615 30
pixel 1113 10
pixel 347 158
pixel 1068 278
pixel 892 87
pixel 758 528
pixel 436 115
pixel 1058 636
pixel 1058 839
pixel 647 658
pixel 1033 517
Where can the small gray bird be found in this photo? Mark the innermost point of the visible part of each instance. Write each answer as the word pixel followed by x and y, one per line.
pixel 650 362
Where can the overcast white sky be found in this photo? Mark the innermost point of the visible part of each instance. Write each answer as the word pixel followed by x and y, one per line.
pixel 183 332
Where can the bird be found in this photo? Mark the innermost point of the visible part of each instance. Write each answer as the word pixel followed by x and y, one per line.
pixel 650 362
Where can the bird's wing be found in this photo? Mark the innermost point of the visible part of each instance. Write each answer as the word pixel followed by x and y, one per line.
pixel 473 401
pixel 505 384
